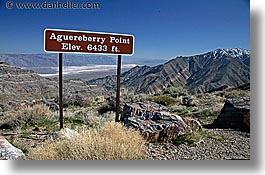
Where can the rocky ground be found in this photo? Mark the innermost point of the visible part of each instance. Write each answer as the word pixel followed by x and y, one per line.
pixel 235 146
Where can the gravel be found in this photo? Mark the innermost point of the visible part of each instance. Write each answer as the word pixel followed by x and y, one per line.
pixel 235 146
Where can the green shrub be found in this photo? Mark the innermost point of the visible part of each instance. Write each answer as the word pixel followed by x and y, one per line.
pixel 197 136
pixel 74 120
pixel 163 100
pixel 110 105
pixel 181 111
pixel 174 90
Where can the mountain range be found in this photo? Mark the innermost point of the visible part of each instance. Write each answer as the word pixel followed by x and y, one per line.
pixel 217 69
pixel 51 60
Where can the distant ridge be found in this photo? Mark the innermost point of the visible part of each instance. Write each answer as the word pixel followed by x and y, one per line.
pixel 200 73
pixel 50 60
pixel 17 84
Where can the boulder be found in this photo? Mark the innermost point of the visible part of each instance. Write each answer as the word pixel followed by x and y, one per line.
pixel 9 152
pixel 235 114
pixel 154 121
pixel 64 133
pixel 187 101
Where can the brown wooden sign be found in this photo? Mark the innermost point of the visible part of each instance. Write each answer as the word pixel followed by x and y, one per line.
pixel 71 41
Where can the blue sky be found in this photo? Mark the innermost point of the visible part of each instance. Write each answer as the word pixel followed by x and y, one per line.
pixel 163 28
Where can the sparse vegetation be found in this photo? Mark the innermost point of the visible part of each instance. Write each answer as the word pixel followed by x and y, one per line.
pixel 110 105
pixel 175 90
pixel 163 100
pixel 182 112
pixel 31 124
pixel 196 137
pixel 111 142
pixel 25 116
pixel 74 121
pixel 206 107
pixel 236 93
pixel 76 116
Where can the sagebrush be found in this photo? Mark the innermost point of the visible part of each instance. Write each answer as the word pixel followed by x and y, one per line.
pixel 163 100
pixel 24 116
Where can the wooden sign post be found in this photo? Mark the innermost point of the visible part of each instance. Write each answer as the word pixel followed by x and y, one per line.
pixel 117 118
pixel 61 89
pixel 86 42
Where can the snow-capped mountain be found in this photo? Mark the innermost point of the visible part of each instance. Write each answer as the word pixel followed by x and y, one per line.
pixel 199 73
pixel 233 53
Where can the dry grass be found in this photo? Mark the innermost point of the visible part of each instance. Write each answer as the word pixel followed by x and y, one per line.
pixel 111 142
pixel 88 116
pixel 27 116
pixel 236 93
pixel 37 111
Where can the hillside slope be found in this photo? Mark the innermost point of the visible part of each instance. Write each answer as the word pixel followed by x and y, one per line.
pixel 199 73
pixel 19 84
